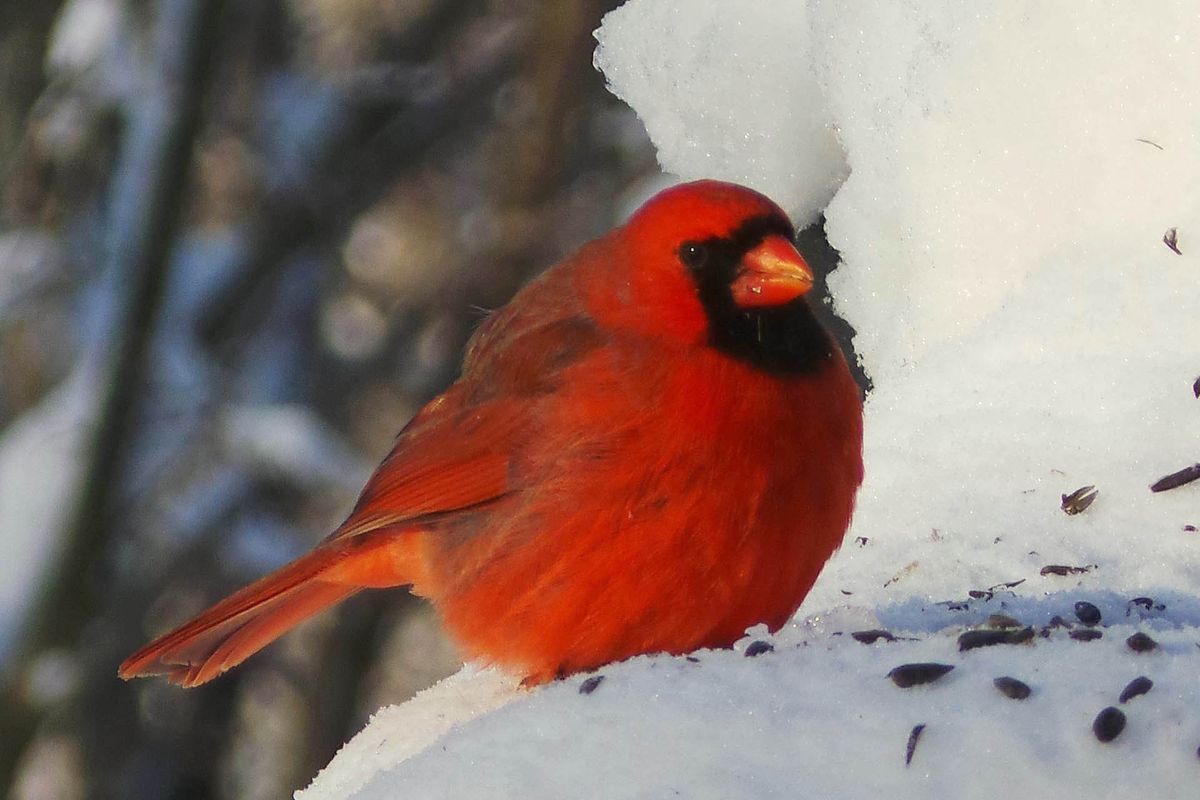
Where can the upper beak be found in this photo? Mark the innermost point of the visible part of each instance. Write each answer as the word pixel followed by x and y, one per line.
pixel 771 274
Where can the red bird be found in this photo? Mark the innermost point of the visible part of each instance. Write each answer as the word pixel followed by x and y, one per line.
pixel 651 448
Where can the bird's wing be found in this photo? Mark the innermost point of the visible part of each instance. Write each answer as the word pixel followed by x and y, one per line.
pixel 459 452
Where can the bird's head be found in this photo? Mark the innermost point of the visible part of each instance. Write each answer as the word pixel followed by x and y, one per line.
pixel 714 262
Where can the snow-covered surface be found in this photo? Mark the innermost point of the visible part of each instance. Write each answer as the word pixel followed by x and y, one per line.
pixel 673 62
pixel 817 718
pixel 1013 169
pixel 398 732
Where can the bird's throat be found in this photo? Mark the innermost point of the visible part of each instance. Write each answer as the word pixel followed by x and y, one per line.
pixel 785 339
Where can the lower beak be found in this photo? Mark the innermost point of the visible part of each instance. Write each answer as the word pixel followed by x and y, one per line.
pixel 771 274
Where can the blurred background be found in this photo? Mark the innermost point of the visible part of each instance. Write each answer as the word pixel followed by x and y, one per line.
pixel 241 243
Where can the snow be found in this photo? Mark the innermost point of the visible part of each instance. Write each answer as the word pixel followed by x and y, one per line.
pixel 398 732
pixel 816 718
pixel 694 80
pixel 1014 171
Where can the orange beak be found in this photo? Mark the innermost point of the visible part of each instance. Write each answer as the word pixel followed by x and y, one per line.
pixel 770 275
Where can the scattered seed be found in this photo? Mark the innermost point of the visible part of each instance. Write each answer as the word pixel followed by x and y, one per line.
pixel 1058 622
pixel 692 659
pixel 861 541
pixel 1012 688
pixel 589 686
pixel 1078 501
pixel 911 747
pixel 872 636
pixel 986 638
pixel 1002 621
pixel 1171 240
pixel 1085 634
pixel 1087 613
pixel 1196 387
pixel 1141 643
pixel 1176 479
pixel 908 675
pixel 905 570
pixel 1144 606
pixel 1189 528
pixel 757 648
pixel 1136 688
pixel 1108 724
pixel 1008 584
pixel 1063 569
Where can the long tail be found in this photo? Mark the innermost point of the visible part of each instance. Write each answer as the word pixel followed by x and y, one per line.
pixel 245 622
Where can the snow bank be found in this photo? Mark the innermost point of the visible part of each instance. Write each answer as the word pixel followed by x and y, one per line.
pixel 734 98
pixel 817 718
pixel 398 732
pixel 1028 330
pixel 1018 230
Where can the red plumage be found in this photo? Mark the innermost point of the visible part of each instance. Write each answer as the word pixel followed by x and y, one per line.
pixel 650 449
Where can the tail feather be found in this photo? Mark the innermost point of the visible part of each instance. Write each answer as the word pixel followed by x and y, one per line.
pixel 226 649
pixel 247 621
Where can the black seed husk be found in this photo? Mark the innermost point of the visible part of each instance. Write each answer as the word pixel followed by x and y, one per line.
pixel 1141 643
pixel 907 675
pixel 1176 479
pixel 757 648
pixel 1078 501
pixel 589 686
pixel 1171 240
pixel 1012 688
pixel 1108 724
pixel 988 637
pixel 1087 613
pixel 1136 688
pixel 1063 569
pixel 911 747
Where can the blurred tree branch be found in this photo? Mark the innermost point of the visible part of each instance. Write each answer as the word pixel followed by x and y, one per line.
pixel 24 30
pixel 148 198
pixel 379 136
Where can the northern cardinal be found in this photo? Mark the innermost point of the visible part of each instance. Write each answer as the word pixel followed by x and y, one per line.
pixel 652 447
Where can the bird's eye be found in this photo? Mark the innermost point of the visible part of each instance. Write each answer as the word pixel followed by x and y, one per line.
pixel 693 255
